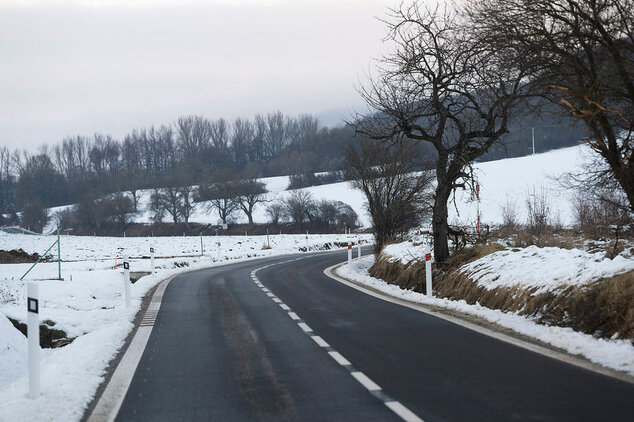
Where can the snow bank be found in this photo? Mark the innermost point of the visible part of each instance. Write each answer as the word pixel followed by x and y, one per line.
pixel 406 252
pixel 12 351
pixel 543 268
pixel 614 354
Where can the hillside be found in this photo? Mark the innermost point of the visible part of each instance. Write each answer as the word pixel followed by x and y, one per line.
pixel 509 179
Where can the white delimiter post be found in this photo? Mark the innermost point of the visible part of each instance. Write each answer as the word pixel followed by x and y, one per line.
pixel 359 246
pixel 428 286
pixel 152 258
pixel 33 331
pixel 349 252
pixel 126 280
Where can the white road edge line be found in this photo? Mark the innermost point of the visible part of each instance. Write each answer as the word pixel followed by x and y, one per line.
pixel 112 397
pixel 563 357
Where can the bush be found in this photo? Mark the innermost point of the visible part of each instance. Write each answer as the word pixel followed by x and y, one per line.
pixel 34 216
pixel 539 211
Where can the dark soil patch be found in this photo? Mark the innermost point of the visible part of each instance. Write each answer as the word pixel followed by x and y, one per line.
pixel 17 257
pixel 49 337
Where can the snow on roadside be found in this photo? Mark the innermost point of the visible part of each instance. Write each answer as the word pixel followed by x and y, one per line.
pixel 406 252
pixel 91 307
pixel 544 268
pixel 614 354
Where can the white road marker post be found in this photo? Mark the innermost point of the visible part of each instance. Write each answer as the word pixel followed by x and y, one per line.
pixel 152 259
pixel 126 280
pixel 33 332
pixel 202 249
pixel 428 286
pixel 349 252
pixel 359 247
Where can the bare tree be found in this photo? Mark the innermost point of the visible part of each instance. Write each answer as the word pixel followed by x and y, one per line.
pixel 276 212
pixel 249 193
pixel 167 200
pixel 440 87
pixel 221 194
pixel 220 135
pixel 194 135
pixel 276 133
pixel 241 140
pixel 580 54
pixel 299 206
pixel 397 195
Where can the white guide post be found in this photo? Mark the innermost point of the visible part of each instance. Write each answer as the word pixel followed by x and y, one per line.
pixel 126 280
pixel 349 252
pixel 152 259
pixel 428 286
pixel 359 247
pixel 33 332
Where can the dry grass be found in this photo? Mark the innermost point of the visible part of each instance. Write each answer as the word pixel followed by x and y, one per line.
pixel 604 308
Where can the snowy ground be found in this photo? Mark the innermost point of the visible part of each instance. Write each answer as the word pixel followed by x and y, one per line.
pixel 91 308
pixel 530 173
pixel 545 269
pixel 614 354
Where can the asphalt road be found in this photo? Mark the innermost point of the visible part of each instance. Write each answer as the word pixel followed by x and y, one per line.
pixel 221 349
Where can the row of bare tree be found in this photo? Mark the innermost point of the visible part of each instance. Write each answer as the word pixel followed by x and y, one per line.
pixel 191 149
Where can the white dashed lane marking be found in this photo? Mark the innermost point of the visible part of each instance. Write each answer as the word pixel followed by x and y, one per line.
pixel 365 381
pixel 340 359
pixel 320 341
pixel 398 408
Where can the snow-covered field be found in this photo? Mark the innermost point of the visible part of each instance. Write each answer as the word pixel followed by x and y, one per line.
pixel 500 181
pixel 614 354
pixel 89 305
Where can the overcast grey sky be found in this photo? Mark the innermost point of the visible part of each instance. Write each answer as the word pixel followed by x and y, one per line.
pixel 79 67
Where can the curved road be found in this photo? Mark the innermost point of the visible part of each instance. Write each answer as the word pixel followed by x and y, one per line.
pixel 224 348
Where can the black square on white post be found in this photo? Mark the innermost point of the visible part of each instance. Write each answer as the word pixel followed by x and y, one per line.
pixel 33 305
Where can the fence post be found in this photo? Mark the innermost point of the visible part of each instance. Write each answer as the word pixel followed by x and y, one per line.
pixel 59 256
pixel 126 280
pixel 349 252
pixel 428 286
pixel 33 332
pixel 152 258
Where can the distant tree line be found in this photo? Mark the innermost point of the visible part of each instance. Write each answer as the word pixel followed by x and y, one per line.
pixel 188 151
pixel 195 150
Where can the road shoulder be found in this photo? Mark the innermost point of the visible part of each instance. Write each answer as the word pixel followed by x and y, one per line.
pixel 483 326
